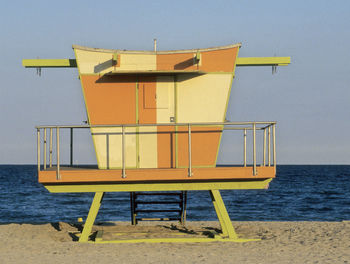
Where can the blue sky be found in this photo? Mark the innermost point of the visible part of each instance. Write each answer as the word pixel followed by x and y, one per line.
pixel 309 99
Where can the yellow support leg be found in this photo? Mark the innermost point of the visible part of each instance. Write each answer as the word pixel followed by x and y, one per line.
pixel 218 213
pixel 224 219
pixel 229 234
pixel 95 206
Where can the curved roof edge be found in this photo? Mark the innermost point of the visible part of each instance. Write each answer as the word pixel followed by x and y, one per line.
pixel 156 52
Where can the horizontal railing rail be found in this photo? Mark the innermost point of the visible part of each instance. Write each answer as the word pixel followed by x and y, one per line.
pixel 267 123
pixel 268 128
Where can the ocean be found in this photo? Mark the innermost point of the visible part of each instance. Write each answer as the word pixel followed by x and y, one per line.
pixel 299 193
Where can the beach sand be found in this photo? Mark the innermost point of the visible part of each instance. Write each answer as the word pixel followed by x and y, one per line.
pixel 281 242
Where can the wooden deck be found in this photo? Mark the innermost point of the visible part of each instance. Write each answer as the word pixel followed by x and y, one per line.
pixel 89 175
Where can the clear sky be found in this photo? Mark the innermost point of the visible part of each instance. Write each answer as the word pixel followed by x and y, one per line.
pixel 310 99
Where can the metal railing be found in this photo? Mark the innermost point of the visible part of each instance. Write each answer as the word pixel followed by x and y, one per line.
pixel 266 127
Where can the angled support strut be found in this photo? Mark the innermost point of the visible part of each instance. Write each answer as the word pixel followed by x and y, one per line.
pixel 95 206
pixel 224 219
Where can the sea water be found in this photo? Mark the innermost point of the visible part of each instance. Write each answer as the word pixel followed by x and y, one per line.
pixel 298 193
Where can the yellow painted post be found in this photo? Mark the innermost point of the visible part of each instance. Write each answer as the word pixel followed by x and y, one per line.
pixel 224 218
pixel 95 206
pixel 218 213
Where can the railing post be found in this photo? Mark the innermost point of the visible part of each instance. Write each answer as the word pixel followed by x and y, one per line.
pixel 107 151
pixel 245 148
pixel 58 176
pixel 189 152
pixel 123 152
pixel 274 144
pixel 71 146
pixel 38 148
pixel 254 149
pixel 264 148
pixel 269 146
pixel 50 149
pixel 45 148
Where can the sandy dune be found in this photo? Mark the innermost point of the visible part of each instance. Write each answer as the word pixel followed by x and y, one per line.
pixel 282 242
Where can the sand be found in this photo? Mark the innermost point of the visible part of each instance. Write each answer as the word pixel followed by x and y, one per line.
pixel 282 242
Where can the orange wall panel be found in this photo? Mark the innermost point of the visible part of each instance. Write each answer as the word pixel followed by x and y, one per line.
pixel 210 61
pixel 84 176
pixel 177 61
pixel 110 99
pixel 218 60
pixel 204 143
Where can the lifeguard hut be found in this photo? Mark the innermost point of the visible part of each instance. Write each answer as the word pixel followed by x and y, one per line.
pixel 156 120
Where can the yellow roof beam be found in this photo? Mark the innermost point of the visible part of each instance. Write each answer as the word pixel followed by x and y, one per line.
pixel 263 61
pixel 72 63
pixel 50 63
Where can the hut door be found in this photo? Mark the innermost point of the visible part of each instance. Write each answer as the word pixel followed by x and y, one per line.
pixel 156 104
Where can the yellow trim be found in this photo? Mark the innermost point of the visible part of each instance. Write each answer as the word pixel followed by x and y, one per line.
pixel 218 148
pixel 176 148
pixel 176 117
pixel 86 108
pixel 263 61
pixel 226 107
pixel 137 128
pixel 49 63
pixel 174 240
pixel 137 187
pixel 155 52
pixel 153 72
pixel 234 66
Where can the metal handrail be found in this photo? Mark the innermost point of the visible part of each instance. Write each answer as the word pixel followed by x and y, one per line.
pixel 267 123
pixel 253 126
